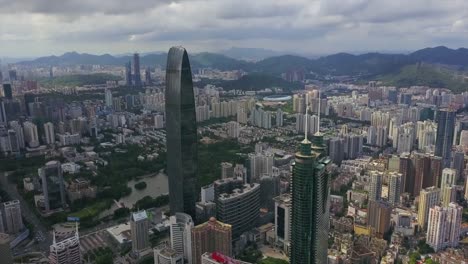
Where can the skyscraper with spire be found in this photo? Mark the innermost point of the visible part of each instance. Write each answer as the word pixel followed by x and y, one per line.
pixel 310 202
pixel 66 251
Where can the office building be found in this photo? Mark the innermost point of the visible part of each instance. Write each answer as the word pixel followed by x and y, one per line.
pixel 211 236
pixel 136 69
pixel 3 116
pixel 12 216
pixel 181 235
pixel 5 251
pixel 19 133
pixel 269 188
pixel 458 162
pixel 181 131
pixel 30 134
pixel 444 139
pixel 378 217
pixel 66 251
pixel 148 80
pixel 49 133
pixel 139 226
pixel 239 208
pixel 167 255
pixel 444 226
pixel 52 185
pixel 375 185
pixel 428 198
pixel 310 203
pixel 394 188
pixel 283 221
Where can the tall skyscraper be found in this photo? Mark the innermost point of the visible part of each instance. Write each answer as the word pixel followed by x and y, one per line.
pixel 136 69
pixel 128 74
pixel 181 131
pixel 52 185
pixel 5 251
pixel 7 91
pixel 66 251
pixel 210 237
pixel 49 133
pixel 444 139
pixel 181 235
pixel 13 218
pixel 444 226
pixel 148 80
pixel 139 226
pixel 428 198
pixel 310 202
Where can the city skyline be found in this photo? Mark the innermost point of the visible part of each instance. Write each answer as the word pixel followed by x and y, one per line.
pixel 33 29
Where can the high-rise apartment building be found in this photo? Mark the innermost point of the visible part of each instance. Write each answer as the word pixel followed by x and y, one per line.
pixel 181 235
pixel 428 198
pixel 66 251
pixel 181 131
pixel 49 133
pixel 310 203
pixel 30 134
pixel 52 185
pixel 394 188
pixel 449 179
pixel 375 185
pixel 13 218
pixel 444 138
pixel 378 217
pixel 139 226
pixel 444 226
pixel 212 236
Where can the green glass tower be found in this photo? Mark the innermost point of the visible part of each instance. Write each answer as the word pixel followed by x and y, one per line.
pixel 310 202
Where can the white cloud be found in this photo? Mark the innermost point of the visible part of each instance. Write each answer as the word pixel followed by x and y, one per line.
pixel 39 27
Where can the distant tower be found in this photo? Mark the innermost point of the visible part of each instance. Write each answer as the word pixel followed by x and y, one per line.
pixel 136 69
pixel 66 251
pixel 181 131
pixel 51 72
pixel 108 98
pixel 139 226
pixel 444 139
pixel 128 74
pixel 148 80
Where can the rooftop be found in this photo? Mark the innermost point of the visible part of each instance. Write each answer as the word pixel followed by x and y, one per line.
pixel 138 216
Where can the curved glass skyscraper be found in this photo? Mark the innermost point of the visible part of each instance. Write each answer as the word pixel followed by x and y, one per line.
pixel 181 133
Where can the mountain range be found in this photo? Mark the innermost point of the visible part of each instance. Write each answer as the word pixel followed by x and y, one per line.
pixel 368 64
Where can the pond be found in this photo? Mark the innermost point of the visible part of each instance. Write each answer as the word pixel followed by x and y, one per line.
pixel 155 186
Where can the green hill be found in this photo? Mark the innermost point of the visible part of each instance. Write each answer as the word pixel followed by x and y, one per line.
pixel 78 80
pixel 429 75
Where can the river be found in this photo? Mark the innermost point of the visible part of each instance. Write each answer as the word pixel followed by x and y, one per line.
pixel 155 186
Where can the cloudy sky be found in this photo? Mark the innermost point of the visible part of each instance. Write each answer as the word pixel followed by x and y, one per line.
pixel 43 27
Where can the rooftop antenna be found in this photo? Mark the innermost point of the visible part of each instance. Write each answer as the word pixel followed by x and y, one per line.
pixel 306 127
pixel 318 117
